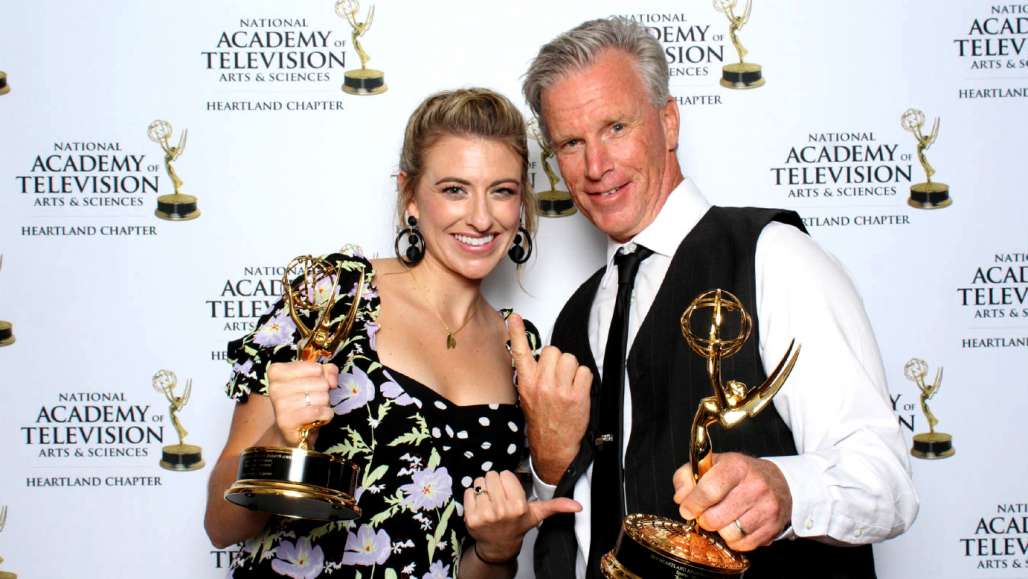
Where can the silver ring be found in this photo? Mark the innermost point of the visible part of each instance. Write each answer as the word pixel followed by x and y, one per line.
pixel 306 398
pixel 738 525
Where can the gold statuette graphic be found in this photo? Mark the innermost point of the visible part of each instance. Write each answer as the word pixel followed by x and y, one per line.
pixel 930 194
pixel 6 328
pixel 553 202
pixel 179 456
pixel 4 87
pixel 655 547
pixel 3 523
pixel 298 482
pixel 177 206
pixel 363 80
pixel 929 444
pixel 741 74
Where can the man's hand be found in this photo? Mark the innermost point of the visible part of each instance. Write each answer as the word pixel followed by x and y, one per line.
pixel 554 396
pixel 737 491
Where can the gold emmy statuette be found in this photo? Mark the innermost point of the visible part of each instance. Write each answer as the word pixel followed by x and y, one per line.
pixel 741 74
pixel 4 87
pixel 929 444
pixel 6 328
pixel 181 456
pixel 301 483
pixel 178 206
pixel 930 194
pixel 363 80
pixel 553 202
pixel 3 522
pixel 655 547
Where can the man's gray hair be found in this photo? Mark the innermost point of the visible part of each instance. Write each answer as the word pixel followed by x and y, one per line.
pixel 579 47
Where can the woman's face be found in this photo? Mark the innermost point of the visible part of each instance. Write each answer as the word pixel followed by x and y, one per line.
pixel 468 203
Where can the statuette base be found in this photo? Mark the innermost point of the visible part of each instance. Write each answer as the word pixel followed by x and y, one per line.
pixel 177 207
pixel 742 75
pixel 364 81
pixel 182 457
pixel 4 89
pixel 296 483
pixel 653 547
pixel 555 204
pixel 6 333
pixel 933 445
pixel 929 196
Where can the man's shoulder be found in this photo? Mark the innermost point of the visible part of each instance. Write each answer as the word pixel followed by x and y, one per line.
pixel 756 217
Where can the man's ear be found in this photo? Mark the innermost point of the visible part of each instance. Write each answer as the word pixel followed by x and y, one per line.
pixel 670 116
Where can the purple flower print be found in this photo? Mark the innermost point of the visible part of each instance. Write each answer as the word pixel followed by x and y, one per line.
pixel 276 331
pixel 372 329
pixel 437 571
pixel 394 392
pixel 355 390
pixel 367 547
pixel 429 489
pixel 298 561
pixel 244 369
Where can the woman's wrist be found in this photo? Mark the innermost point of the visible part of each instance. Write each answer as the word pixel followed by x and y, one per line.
pixel 496 560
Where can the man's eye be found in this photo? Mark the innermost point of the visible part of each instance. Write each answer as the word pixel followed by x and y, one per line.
pixel 618 127
pixel 570 143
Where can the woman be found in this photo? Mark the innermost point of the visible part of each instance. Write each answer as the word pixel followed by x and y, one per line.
pixel 425 399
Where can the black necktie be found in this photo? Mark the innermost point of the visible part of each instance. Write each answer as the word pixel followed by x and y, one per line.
pixel 608 501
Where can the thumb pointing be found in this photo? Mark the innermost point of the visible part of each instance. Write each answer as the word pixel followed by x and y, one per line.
pixel 541 510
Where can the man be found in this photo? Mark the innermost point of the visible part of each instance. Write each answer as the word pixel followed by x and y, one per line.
pixel 824 467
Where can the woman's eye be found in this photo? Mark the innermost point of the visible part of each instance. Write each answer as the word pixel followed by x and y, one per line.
pixel 453 190
pixel 506 191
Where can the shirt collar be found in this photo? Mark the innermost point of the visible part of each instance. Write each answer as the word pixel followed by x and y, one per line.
pixel 682 210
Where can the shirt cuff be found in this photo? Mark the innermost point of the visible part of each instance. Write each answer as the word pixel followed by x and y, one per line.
pixel 543 491
pixel 811 502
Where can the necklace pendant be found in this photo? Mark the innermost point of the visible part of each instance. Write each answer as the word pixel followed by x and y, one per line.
pixel 451 342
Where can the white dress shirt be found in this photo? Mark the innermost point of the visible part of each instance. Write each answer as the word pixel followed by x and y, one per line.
pixel 850 482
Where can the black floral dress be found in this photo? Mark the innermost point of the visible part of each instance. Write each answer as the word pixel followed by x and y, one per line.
pixel 417 451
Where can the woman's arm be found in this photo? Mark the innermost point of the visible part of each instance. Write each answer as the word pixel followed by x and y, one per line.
pixel 253 424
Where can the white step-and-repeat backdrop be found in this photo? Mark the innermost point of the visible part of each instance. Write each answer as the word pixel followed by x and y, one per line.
pixel 101 293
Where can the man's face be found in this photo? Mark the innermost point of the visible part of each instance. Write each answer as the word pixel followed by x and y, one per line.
pixel 615 149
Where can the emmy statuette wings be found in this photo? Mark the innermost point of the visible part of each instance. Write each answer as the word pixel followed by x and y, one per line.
pixel 299 482
pixel 655 547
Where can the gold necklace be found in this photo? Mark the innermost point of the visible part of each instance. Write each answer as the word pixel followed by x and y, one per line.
pixel 451 335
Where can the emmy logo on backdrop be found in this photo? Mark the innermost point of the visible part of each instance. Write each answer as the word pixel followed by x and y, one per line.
pixel 553 202
pixel 364 80
pixel 299 482
pixel 4 87
pixel 6 328
pixel 655 547
pixel 3 523
pixel 740 74
pixel 930 194
pixel 181 456
pixel 929 444
pixel 177 206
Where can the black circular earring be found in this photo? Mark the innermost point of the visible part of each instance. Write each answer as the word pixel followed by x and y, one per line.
pixel 415 250
pixel 521 250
